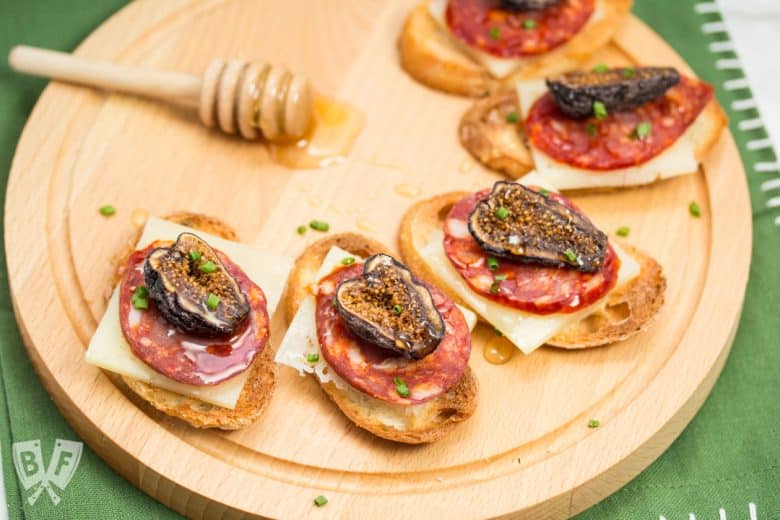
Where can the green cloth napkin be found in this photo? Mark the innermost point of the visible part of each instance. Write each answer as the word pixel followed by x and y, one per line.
pixel 725 465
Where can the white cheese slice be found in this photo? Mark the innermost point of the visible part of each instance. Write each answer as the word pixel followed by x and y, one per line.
pixel 678 159
pixel 109 350
pixel 497 67
pixel 301 338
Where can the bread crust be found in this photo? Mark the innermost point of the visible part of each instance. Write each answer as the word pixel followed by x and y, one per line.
pixel 257 391
pixel 626 313
pixel 452 407
pixel 503 146
pixel 437 59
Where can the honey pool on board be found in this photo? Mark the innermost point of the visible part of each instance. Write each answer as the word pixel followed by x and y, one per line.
pixel 498 350
pixel 334 129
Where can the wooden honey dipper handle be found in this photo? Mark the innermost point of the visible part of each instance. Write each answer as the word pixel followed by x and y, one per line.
pixel 254 99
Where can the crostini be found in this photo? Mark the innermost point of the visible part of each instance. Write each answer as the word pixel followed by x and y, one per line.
pixel 598 129
pixel 527 261
pixel 476 47
pixel 390 351
pixel 187 327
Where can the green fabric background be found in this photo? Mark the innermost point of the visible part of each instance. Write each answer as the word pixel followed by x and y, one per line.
pixel 728 457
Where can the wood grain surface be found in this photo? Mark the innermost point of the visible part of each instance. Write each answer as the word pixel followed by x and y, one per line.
pixel 527 451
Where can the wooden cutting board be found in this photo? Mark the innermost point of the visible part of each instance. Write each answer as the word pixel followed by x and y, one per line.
pixel 527 450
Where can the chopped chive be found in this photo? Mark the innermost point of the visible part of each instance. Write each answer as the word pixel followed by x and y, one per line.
pixel 623 231
pixel 397 309
pixel 335 303
pixel 570 255
pixel 502 213
pixel 195 255
pixel 212 302
pixel 301 230
pixel 140 298
pixel 208 267
pixel 494 288
pixel 694 209
pixel 492 263
pixel 594 423
pixel 348 260
pixel 601 68
pixel 544 192
pixel 401 387
pixel 320 501
pixel 500 277
pixel 599 110
pixel 319 225
pixel 629 72
pixel 495 33
pixel 312 358
pixel 512 117
pixel 497 332
pixel 591 129
pixel 107 210
pixel 643 129
pixel 529 24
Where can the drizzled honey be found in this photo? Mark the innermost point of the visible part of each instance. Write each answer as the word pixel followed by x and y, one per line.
pixel 498 350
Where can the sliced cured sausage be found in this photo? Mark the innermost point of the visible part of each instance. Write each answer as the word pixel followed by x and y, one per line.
pixel 378 372
pixel 531 288
pixel 183 357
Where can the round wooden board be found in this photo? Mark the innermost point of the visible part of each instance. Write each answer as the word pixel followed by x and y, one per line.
pixel 526 451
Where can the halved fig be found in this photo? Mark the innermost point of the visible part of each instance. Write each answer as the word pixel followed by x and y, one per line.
pixel 390 308
pixel 193 290
pixel 618 89
pixel 528 5
pixel 522 224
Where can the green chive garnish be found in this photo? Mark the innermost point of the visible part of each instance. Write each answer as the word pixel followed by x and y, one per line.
pixel 492 263
pixel 570 255
pixel 497 332
pixel 629 72
pixel 208 267
pixel 502 213
pixel 494 288
pixel 529 24
pixel 335 302
pixel 594 423
pixel 397 309
pixel 320 501
pixel 140 298
pixel 544 192
pixel 107 210
pixel 348 260
pixel 601 68
pixel 623 231
pixel 500 277
pixel 643 129
pixel 212 302
pixel 599 110
pixel 195 255
pixel 694 208
pixel 591 129
pixel 512 117
pixel 312 358
pixel 301 230
pixel 401 387
pixel 495 33
pixel 319 225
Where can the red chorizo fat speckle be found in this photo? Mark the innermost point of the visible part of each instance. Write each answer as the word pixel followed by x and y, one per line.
pixel 611 142
pixel 527 287
pixel 489 27
pixel 371 369
pixel 183 357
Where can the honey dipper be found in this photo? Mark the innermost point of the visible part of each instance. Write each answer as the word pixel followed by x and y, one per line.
pixel 254 99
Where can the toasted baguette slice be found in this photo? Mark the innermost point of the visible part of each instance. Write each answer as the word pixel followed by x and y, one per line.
pixel 259 386
pixel 435 418
pixel 434 57
pixel 626 312
pixel 503 146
